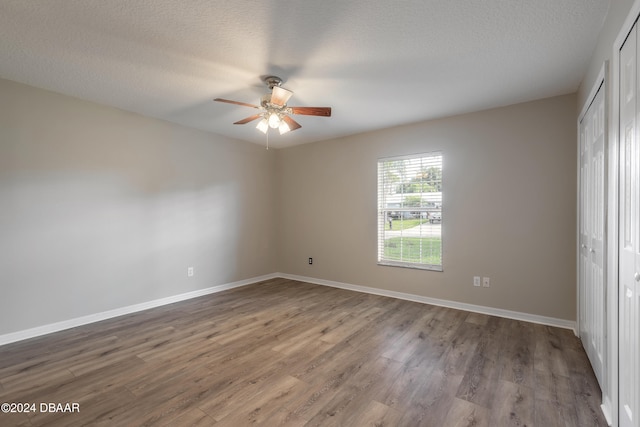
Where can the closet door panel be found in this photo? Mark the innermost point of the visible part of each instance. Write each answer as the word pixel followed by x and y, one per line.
pixel 591 230
pixel 629 237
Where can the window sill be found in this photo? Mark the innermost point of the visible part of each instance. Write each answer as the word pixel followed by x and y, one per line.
pixel 411 265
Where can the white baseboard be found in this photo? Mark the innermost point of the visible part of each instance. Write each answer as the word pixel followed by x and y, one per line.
pixel 606 410
pixel 607 414
pixel 84 320
pixel 533 318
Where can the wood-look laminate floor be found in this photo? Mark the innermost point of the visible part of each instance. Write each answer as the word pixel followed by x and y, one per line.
pixel 286 353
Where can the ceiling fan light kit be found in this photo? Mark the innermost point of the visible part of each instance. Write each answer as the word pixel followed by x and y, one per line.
pixel 275 112
pixel 263 126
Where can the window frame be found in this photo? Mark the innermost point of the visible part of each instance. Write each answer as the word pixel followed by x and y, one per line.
pixel 384 210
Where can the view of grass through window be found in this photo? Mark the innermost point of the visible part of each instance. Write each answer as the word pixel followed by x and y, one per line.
pixel 410 211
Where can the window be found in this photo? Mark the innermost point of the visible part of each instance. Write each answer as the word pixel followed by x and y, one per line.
pixel 410 211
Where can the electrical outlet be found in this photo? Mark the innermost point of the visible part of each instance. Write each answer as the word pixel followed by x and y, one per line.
pixel 476 280
pixel 310 261
pixel 190 272
pixel 486 282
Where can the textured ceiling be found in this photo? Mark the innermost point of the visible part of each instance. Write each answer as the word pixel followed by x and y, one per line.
pixel 376 63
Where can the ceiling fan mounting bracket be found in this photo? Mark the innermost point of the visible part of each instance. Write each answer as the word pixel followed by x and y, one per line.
pixel 272 81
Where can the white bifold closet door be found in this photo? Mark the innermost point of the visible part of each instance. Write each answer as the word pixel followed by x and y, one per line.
pixel 592 208
pixel 629 235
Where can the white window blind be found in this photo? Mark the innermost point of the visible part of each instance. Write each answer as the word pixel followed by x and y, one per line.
pixel 410 211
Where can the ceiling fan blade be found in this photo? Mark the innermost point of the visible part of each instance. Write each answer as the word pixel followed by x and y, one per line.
pixel 280 96
pixel 228 101
pixel 248 119
pixel 312 111
pixel 293 125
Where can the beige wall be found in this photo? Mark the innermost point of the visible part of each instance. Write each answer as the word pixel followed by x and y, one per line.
pixel 101 209
pixel 509 208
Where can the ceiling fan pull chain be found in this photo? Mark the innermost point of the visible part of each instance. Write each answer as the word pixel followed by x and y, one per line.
pixel 267 139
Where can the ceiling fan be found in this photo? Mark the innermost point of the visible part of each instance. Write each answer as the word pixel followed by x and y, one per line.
pixel 275 112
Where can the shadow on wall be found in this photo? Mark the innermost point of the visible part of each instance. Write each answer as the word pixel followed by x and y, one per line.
pixel 75 244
